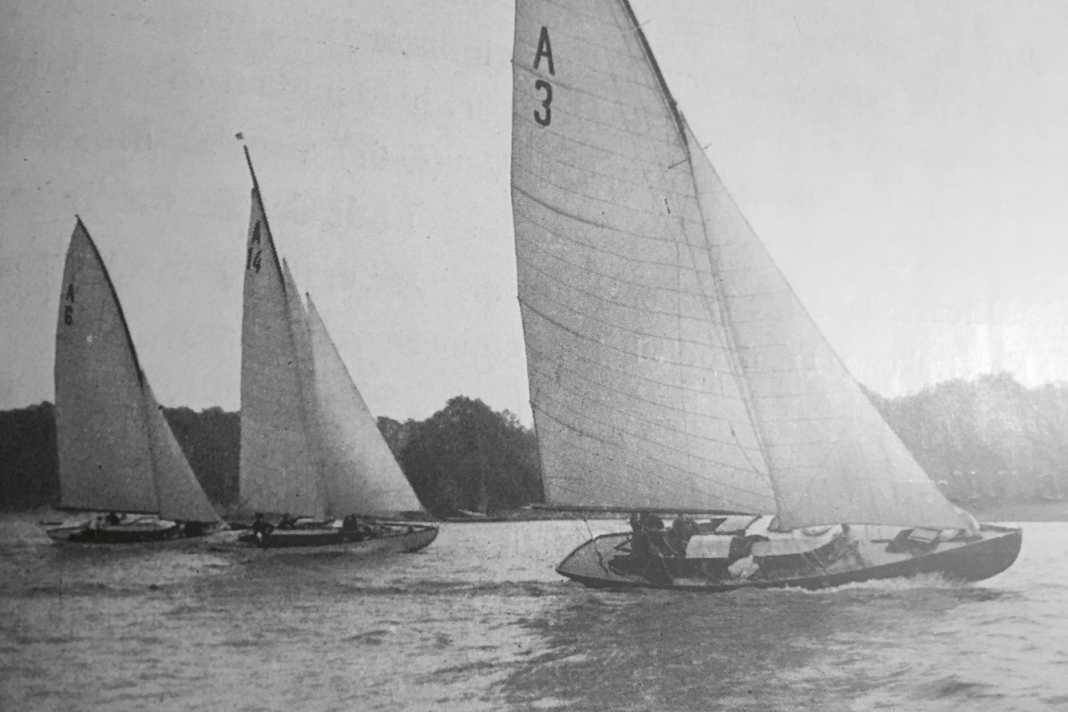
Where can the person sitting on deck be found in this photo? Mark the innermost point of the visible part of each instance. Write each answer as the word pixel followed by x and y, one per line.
pixel 192 529
pixel 113 518
pixel 639 542
pixel 353 527
pixel 288 521
pixel 679 535
pixel 260 528
pixel 653 526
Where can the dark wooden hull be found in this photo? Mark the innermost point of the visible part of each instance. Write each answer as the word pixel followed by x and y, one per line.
pixel 591 564
pixel 141 531
pixel 394 538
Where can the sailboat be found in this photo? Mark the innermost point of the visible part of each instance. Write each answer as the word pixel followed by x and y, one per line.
pixel 672 369
pixel 313 466
pixel 117 454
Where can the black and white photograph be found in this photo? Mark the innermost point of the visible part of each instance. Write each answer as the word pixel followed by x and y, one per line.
pixel 534 355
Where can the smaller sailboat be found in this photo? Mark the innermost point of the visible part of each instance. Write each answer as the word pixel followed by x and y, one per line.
pixel 314 468
pixel 117 454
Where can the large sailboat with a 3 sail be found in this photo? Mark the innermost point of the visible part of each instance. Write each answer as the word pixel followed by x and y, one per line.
pixel 672 368
pixel 315 472
pixel 117 454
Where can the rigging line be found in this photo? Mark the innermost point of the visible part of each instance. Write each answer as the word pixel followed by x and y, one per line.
pixel 745 452
pixel 887 435
pixel 723 307
pixel 597 549
pixel 720 302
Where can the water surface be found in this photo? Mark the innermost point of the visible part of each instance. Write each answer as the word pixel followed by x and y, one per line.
pixel 480 621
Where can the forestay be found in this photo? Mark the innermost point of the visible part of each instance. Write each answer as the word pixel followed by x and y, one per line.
pixel 116 450
pixel 359 471
pixel 670 364
pixel 277 468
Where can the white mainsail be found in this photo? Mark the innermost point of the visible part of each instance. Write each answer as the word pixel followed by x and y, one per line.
pixel 359 470
pixel 277 471
pixel 670 364
pixel 116 450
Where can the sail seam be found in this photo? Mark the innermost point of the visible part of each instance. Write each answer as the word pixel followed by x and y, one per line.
pixel 689 455
pixel 684 411
pixel 534 247
pixel 591 340
pixel 618 255
pixel 672 472
pixel 601 98
pixel 623 329
pixel 721 298
pixel 627 208
pixel 614 302
pixel 641 377
pixel 589 221
pixel 621 178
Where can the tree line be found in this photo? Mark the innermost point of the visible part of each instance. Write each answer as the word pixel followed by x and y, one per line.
pixel 985 440
pixel 465 457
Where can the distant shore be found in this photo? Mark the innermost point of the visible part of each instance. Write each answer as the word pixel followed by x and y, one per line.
pixel 1021 512
pixel 1005 512
pixel 1038 511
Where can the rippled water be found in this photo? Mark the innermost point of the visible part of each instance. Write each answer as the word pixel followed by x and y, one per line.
pixel 480 621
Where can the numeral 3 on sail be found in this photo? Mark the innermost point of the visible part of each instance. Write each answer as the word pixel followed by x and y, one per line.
pixel 544 115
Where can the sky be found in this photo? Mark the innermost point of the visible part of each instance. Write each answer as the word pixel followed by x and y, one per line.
pixel 905 162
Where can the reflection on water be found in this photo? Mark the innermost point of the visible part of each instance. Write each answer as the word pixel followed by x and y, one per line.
pixel 480 621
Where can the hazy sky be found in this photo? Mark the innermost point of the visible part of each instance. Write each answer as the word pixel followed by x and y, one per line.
pixel 905 162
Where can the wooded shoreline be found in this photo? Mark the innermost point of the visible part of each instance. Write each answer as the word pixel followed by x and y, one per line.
pixel 994 446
